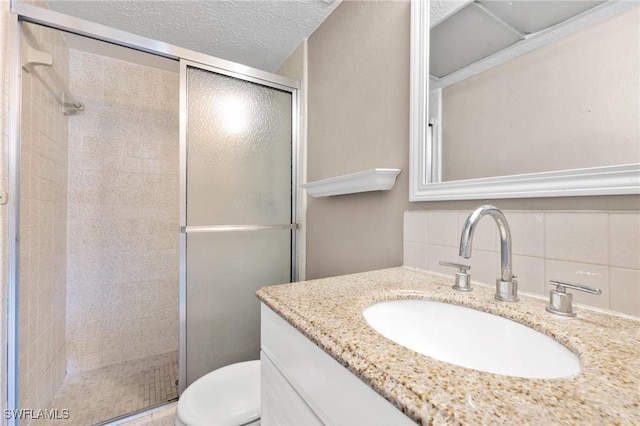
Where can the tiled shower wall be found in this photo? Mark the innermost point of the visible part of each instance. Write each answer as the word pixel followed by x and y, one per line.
pixel 43 226
pixel 123 213
pixel 600 249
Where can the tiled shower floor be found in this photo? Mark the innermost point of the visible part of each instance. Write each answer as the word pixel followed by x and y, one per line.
pixel 108 392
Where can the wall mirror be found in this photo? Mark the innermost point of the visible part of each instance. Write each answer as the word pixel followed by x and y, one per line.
pixel 522 99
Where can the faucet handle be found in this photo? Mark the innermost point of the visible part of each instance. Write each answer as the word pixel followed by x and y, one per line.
pixel 561 302
pixel 463 278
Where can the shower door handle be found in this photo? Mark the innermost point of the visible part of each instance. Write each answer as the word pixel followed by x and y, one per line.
pixel 236 228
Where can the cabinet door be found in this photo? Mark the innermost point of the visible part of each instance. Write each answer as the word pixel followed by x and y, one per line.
pixel 334 394
pixel 281 404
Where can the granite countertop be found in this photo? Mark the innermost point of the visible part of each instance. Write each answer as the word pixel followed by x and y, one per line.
pixel 329 313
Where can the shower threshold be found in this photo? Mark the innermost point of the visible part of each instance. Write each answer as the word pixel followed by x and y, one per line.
pixel 135 417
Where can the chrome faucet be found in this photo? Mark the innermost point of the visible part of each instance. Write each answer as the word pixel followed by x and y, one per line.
pixel 506 285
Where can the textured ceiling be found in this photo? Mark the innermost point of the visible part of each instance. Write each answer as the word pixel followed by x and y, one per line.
pixel 257 33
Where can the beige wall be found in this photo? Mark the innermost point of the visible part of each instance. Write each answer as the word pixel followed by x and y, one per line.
pixel 43 224
pixel 358 100
pixel 123 213
pixel 541 111
pixel 358 118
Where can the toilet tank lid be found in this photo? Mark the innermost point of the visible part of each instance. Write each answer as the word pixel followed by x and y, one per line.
pixel 227 396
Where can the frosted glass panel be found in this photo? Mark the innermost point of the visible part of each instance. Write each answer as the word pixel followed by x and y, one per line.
pixel 224 270
pixel 239 172
pixel 239 151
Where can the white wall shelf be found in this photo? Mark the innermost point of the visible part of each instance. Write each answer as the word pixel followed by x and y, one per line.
pixel 367 180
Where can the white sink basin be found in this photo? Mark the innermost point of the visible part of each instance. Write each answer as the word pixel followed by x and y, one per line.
pixel 472 339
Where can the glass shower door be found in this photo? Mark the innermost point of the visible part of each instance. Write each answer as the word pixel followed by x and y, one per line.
pixel 237 221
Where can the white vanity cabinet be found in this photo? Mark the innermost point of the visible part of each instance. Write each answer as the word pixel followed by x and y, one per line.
pixel 303 385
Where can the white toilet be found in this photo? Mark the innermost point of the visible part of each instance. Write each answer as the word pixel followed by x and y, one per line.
pixel 228 396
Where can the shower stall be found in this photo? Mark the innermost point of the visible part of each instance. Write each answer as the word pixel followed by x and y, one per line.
pixel 153 192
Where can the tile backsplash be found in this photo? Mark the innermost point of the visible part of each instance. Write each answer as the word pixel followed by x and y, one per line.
pixel 600 249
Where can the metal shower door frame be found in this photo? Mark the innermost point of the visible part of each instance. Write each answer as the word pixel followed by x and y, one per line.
pixel 185 229
pixel 23 12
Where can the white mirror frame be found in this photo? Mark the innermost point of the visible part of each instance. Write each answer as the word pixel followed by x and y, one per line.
pixel 607 180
